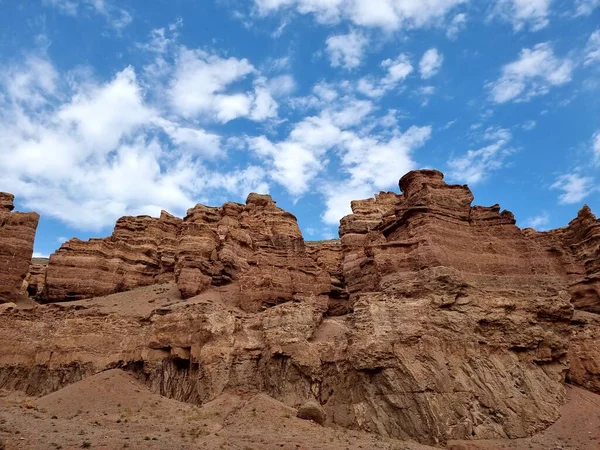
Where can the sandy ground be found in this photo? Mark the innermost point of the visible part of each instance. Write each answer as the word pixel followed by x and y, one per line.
pixel 113 410
pixel 577 429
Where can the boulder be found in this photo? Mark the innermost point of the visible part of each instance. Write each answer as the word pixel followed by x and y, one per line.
pixel 311 410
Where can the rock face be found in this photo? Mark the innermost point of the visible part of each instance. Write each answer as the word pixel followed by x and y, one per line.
pixel 36 279
pixel 17 233
pixel 575 250
pixel 141 251
pixel 259 245
pixel 429 319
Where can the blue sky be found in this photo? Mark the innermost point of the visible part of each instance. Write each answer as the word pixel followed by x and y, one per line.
pixel 122 108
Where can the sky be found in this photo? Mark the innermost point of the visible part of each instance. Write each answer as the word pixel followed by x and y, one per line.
pixel 111 108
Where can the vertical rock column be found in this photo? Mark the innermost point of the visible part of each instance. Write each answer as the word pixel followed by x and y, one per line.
pixel 17 233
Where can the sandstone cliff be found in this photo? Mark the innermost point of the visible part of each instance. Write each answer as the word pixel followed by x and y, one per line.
pixel 17 233
pixel 140 251
pixel 575 250
pixel 429 319
pixel 259 245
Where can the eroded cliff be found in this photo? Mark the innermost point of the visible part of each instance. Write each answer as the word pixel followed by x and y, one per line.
pixel 429 319
pixel 140 252
pixel 17 233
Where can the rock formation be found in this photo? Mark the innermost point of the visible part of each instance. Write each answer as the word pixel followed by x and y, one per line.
pixel 575 250
pixel 429 319
pixel 17 233
pixel 140 251
pixel 258 245
pixel 36 278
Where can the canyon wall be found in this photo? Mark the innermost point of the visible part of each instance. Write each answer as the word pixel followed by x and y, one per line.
pixel 428 319
pixel 17 233
pixel 140 251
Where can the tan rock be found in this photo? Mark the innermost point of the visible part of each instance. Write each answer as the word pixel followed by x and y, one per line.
pixel 140 252
pixel 311 410
pixel 258 245
pixel 17 233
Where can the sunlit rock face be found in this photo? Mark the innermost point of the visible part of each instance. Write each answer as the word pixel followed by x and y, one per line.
pixel 17 233
pixel 428 319
pixel 140 252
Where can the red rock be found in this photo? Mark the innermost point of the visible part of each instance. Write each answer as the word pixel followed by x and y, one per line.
pixel 258 245
pixel 17 233
pixel 140 252
pixel 429 319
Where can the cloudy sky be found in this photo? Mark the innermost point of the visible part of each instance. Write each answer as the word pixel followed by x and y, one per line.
pixel 112 108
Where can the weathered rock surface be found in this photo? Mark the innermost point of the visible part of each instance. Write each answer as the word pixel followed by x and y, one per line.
pixel 450 321
pixel 36 278
pixel 17 233
pixel 140 252
pixel 575 250
pixel 257 244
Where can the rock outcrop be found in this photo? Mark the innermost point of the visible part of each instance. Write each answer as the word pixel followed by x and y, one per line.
pixel 575 250
pixel 140 252
pixel 259 245
pixel 17 233
pixel 430 319
pixel 36 278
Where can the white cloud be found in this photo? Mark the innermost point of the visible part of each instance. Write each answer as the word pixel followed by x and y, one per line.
pixel 116 17
pixel 397 70
pixel 430 63
pixel 372 163
pixel 529 125
pixel 39 255
pixel 390 15
pixel 346 50
pixel 88 152
pixel 592 49
pixel 476 165
pixel 532 74
pixel 200 83
pixel 31 84
pixel 521 13
pixel 539 222
pixel 456 26
pixel 586 7
pixel 596 147
pixel 574 186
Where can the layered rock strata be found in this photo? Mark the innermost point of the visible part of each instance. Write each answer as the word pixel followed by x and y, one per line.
pixel 140 252
pixel 258 244
pixel 17 233
pixel 575 250
pixel 455 324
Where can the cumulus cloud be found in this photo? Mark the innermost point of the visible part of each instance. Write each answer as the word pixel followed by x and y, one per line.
pixel 456 26
pixel 521 13
pixel 346 50
pixel 389 15
pixel 592 49
pixel 475 165
pixel 539 222
pixel 116 17
pixel 596 147
pixel 575 187
pixel 430 63
pixel 370 148
pixel 397 70
pixel 586 7
pixel 87 151
pixel 534 72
